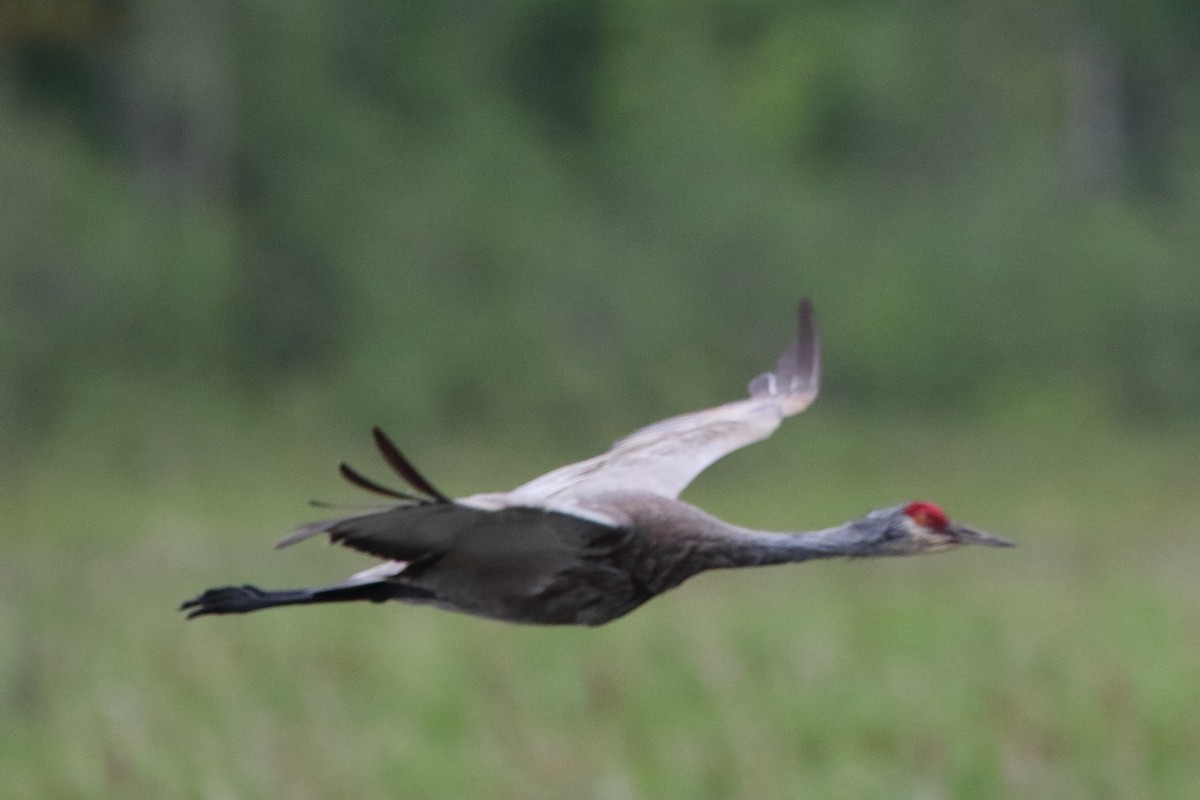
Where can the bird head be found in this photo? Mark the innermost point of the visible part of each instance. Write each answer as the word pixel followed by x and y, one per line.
pixel 919 527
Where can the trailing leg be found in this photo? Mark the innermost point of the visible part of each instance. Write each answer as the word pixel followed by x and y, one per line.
pixel 243 599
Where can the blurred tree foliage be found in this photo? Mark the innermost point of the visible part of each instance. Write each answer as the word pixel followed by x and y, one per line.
pixel 436 209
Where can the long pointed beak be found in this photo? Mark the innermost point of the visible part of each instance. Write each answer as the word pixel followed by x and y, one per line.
pixel 966 535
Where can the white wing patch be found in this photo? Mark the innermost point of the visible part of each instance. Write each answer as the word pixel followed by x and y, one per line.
pixel 379 572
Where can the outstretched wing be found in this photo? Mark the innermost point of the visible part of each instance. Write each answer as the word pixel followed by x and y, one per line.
pixel 424 524
pixel 665 457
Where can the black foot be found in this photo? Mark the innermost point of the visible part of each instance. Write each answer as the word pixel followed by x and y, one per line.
pixel 238 600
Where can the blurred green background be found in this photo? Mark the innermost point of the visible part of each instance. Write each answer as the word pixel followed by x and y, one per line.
pixel 237 234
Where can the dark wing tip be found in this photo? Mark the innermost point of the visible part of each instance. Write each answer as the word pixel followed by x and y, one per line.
pixel 806 321
pixel 363 482
pixel 799 368
pixel 396 460
pixel 807 361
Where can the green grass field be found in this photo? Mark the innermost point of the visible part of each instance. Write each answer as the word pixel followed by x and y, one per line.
pixel 1067 668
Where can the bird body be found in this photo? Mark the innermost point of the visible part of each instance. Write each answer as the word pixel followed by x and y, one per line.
pixel 590 542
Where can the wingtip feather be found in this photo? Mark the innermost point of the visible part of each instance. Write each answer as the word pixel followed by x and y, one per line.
pixel 798 371
pixel 356 478
pixel 396 460
pixel 807 364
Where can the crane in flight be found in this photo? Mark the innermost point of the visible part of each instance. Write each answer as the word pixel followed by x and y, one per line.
pixel 591 541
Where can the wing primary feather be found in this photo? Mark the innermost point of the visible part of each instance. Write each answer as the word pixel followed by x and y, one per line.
pixel 800 365
pixel 363 482
pixel 798 369
pixel 397 461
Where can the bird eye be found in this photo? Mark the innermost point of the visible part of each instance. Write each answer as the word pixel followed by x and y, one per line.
pixel 928 515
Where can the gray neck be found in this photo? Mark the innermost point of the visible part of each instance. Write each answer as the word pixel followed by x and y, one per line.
pixel 681 540
pixel 743 547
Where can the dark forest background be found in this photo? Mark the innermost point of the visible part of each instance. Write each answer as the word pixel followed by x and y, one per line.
pixel 462 213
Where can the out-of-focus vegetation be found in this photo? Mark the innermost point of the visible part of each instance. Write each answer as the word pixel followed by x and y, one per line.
pixel 434 212
pixel 1063 669
pixel 235 234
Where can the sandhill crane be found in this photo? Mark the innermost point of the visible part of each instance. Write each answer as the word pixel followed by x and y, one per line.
pixel 591 541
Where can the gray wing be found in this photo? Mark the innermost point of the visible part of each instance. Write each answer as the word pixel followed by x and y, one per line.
pixel 665 457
